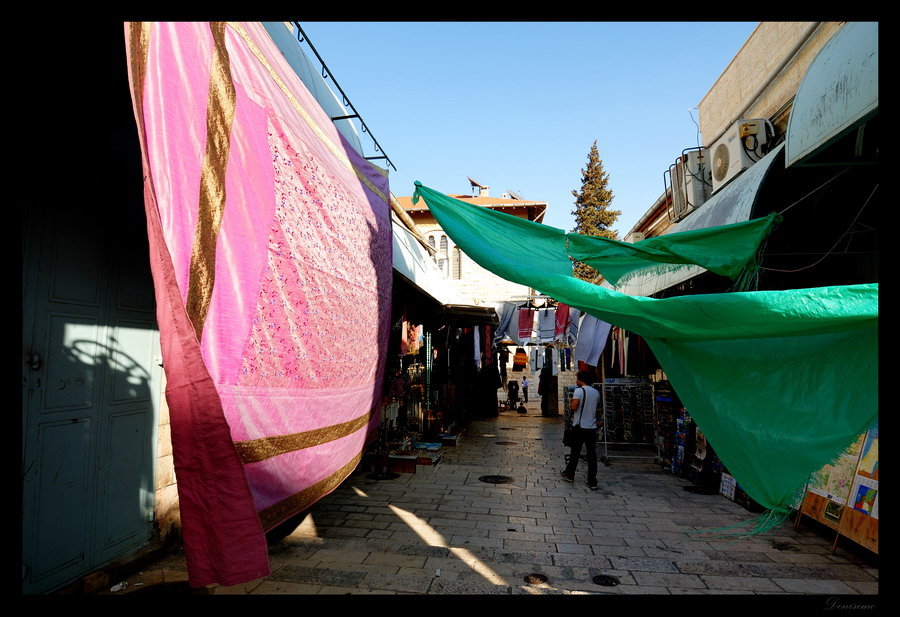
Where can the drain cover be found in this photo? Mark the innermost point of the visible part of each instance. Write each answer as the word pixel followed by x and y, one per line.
pixel 606 580
pixel 505 443
pixel 534 579
pixel 784 546
pixel 495 479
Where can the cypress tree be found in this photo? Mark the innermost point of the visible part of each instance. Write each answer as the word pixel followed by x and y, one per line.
pixel 593 216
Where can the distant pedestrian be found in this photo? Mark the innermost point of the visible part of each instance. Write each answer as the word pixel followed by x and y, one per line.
pixel 525 388
pixel 584 424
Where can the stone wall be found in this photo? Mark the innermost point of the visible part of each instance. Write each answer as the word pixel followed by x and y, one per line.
pixel 168 514
pixel 753 65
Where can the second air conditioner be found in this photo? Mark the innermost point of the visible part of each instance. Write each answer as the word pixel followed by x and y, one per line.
pixel 741 146
pixel 689 182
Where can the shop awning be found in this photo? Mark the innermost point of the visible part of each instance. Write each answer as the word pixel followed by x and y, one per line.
pixel 838 93
pixel 412 261
pixel 733 204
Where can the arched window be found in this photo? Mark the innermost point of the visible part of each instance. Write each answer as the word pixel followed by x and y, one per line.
pixel 457 263
pixel 431 244
pixel 442 255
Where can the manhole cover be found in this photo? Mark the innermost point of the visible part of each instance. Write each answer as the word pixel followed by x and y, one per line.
pixel 606 580
pixel 784 546
pixel 505 443
pixel 495 479
pixel 534 579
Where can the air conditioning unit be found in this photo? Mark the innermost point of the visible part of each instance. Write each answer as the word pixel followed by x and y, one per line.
pixel 740 147
pixel 691 182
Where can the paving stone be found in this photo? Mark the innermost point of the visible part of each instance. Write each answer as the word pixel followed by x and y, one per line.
pixel 441 586
pixel 635 528
pixel 668 579
pixel 392 582
pixel 814 586
pixel 741 583
pixel 637 564
pixel 318 576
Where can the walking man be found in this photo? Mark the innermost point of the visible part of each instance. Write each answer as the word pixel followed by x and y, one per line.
pixel 525 388
pixel 584 405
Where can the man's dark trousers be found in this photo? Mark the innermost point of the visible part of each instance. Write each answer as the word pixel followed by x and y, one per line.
pixel 584 437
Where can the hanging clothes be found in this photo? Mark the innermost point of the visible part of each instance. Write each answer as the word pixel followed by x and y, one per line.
pixel 520 360
pixel 561 322
pixel 404 336
pixel 506 311
pixel 572 331
pixel 546 325
pixel 592 339
pixel 477 348
pixel 526 325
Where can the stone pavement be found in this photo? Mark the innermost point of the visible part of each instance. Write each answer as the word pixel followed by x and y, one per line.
pixel 448 531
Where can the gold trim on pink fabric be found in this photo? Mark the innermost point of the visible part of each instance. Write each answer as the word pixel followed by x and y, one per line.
pixel 219 119
pixel 256 450
pixel 139 33
pixel 279 512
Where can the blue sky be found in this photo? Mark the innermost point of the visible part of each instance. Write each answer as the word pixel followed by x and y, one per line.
pixel 517 105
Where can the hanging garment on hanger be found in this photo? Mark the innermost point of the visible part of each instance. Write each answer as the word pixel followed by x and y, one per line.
pixel 546 325
pixel 574 321
pixel 520 360
pixel 506 311
pixel 404 336
pixel 477 348
pixel 592 338
pixel 561 322
pixel 526 325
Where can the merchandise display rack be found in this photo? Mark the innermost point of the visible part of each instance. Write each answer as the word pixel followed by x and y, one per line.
pixel 629 418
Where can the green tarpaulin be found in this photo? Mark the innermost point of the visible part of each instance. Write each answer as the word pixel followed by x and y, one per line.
pixel 780 382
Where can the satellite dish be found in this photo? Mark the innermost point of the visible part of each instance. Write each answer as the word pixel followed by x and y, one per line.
pixel 515 195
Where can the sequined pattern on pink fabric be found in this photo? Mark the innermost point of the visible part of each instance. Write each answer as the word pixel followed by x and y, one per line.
pixel 323 262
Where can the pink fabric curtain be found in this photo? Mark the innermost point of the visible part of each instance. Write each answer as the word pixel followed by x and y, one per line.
pixel 270 246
